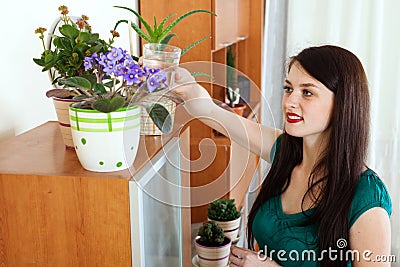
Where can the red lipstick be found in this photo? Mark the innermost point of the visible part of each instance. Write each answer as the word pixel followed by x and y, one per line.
pixel 293 117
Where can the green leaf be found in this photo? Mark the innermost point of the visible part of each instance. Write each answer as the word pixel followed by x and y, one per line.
pixel 167 38
pixel 161 117
pixel 99 88
pixel 199 73
pixel 194 44
pixel 141 33
pixel 84 36
pixel 39 61
pixel 116 103
pixel 161 26
pixel 77 82
pixel 69 31
pixel 105 105
pixel 48 58
pixel 102 105
pixel 141 19
pixel 93 37
pixel 63 43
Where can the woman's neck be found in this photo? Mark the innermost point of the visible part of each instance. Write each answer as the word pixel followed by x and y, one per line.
pixel 313 147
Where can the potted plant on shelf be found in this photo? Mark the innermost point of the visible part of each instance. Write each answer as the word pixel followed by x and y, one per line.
pixel 232 89
pixel 107 88
pixel 225 213
pixel 213 248
pixel 157 52
pixel 63 57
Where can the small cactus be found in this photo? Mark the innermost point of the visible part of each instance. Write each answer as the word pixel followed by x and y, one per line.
pixel 211 234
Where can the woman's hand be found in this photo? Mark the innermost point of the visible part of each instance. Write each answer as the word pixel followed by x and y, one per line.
pixel 197 100
pixel 248 258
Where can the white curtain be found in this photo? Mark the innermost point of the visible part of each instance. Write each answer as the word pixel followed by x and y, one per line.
pixel 371 30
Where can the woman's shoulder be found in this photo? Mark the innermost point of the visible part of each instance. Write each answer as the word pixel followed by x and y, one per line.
pixel 275 148
pixel 370 192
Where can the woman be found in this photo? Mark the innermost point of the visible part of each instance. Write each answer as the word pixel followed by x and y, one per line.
pixel 319 204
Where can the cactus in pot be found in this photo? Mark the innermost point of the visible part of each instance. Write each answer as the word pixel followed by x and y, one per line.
pixel 213 248
pixel 226 214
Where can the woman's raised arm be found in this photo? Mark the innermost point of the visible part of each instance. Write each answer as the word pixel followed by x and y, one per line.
pixel 247 133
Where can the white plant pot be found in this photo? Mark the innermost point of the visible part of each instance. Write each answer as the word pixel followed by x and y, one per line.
pixel 213 256
pixel 105 142
pixel 231 228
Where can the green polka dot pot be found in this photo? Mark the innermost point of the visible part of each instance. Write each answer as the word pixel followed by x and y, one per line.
pixel 105 142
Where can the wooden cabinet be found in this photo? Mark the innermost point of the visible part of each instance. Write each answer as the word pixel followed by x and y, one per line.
pixel 55 213
pixel 238 23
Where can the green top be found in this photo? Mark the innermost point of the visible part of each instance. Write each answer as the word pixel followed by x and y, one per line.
pixel 289 243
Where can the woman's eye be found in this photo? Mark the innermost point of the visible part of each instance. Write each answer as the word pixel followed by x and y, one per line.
pixel 307 93
pixel 287 89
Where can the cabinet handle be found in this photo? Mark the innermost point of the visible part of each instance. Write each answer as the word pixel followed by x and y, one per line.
pixel 243 37
pixel 226 44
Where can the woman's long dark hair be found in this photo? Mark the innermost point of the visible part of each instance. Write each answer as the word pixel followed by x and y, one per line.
pixel 343 160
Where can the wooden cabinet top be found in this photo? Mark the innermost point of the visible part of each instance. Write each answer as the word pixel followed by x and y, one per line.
pixel 41 151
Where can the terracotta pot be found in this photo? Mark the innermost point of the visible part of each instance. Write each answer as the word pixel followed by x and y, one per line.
pixel 213 256
pixel 239 109
pixel 62 110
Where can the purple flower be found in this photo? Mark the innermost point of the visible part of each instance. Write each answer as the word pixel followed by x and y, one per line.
pixel 161 76
pixel 103 60
pixel 157 80
pixel 109 68
pixel 87 63
pixel 152 84
pixel 115 54
pixel 131 78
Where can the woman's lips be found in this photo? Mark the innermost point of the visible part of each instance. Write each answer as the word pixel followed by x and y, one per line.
pixel 293 118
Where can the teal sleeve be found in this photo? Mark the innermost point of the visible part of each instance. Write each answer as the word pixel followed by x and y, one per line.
pixel 275 148
pixel 371 192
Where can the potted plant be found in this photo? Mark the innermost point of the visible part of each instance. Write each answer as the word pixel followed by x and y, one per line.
pixel 63 57
pixel 107 115
pixel 225 213
pixel 157 52
pixel 232 89
pixel 107 88
pixel 213 248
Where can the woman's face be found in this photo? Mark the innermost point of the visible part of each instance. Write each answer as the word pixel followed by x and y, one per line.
pixel 307 104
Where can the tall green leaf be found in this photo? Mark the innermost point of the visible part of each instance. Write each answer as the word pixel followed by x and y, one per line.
pixel 194 44
pixel 173 24
pixel 167 38
pixel 145 24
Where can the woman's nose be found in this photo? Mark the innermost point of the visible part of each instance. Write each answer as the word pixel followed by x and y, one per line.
pixel 292 100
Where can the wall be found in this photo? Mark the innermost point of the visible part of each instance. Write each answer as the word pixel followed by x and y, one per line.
pixel 370 29
pixel 23 102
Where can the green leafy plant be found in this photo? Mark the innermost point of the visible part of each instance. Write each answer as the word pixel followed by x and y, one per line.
pixel 211 234
pixel 223 210
pixel 232 91
pixel 70 48
pixel 99 76
pixel 161 33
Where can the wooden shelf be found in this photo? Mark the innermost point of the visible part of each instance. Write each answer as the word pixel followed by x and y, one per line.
pixel 230 27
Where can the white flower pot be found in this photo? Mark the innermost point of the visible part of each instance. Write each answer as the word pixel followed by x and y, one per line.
pixel 231 228
pixel 105 142
pixel 213 256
